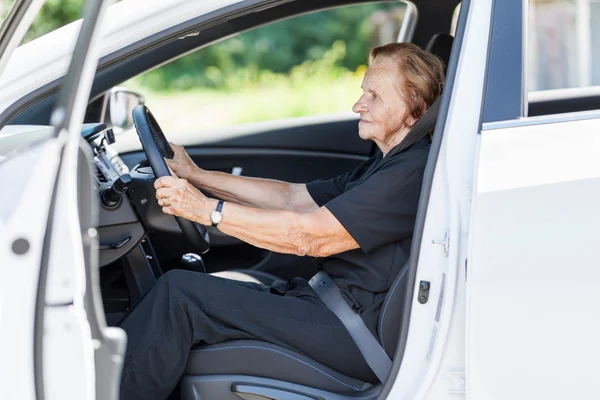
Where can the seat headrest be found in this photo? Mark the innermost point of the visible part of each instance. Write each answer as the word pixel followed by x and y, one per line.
pixel 440 44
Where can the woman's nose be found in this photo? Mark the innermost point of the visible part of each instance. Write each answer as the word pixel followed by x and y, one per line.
pixel 359 106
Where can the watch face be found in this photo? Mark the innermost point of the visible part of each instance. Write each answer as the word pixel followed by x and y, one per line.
pixel 216 217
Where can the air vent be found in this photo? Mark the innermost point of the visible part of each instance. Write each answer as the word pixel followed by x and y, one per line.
pixel 119 165
pixel 99 175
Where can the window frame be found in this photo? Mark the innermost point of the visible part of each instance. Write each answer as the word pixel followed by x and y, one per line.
pixel 505 86
pixel 507 99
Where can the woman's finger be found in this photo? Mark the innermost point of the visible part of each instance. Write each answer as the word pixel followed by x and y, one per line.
pixel 174 147
pixel 163 192
pixel 173 174
pixel 165 181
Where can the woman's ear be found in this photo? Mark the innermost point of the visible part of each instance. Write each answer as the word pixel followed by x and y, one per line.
pixel 421 111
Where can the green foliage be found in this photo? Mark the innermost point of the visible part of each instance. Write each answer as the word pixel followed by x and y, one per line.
pixel 283 96
pixel 275 48
pixel 53 15
pixel 5 6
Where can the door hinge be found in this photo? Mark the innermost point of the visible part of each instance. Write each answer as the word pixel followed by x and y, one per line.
pixel 444 242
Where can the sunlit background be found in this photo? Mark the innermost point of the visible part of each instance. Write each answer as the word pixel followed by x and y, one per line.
pixel 313 64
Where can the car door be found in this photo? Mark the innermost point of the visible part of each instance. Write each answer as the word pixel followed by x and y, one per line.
pixel 533 267
pixel 27 182
pixel 317 143
pixel 55 343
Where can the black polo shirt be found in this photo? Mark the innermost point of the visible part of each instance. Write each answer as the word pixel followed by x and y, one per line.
pixel 377 204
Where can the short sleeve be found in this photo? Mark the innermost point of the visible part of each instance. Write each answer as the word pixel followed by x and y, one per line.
pixel 382 209
pixel 324 190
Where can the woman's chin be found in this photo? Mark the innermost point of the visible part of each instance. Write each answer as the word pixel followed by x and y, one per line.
pixel 365 134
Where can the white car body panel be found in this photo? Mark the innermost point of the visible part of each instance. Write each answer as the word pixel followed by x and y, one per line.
pixel 66 319
pixel 23 214
pixel 436 332
pixel 67 344
pixel 46 59
pixel 534 267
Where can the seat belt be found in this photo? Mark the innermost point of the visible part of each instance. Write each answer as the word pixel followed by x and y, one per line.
pixel 369 347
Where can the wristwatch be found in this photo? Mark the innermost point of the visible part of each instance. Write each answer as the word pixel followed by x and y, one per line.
pixel 217 215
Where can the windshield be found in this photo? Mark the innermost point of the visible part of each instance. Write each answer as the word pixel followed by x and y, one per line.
pixel 5 6
pixel 52 15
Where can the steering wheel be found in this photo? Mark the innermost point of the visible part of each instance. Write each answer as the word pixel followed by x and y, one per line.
pixel 156 147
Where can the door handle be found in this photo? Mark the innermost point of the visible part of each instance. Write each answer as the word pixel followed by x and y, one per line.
pixel 114 246
pixel 236 171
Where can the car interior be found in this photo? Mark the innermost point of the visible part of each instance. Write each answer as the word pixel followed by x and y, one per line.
pixel 138 243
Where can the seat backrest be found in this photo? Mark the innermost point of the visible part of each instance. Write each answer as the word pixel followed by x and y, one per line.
pixel 391 312
pixel 440 44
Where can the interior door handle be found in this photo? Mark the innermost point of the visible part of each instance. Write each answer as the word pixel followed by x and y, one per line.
pixel 114 246
pixel 236 171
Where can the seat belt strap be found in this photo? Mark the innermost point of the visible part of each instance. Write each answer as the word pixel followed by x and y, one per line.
pixel 369 347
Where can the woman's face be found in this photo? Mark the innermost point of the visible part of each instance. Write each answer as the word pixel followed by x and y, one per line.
pixel 383 112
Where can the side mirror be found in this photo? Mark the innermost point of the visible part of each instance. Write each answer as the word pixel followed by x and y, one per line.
pixel 121 103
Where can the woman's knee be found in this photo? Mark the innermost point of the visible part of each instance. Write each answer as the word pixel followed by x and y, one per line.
pixel 176 279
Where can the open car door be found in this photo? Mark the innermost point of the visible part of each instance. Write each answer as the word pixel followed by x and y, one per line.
pixel 57 345
pixel 533 268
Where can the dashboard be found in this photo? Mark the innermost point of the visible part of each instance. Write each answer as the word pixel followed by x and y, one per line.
pixel 126 204
pixel 109 166
pixel 120 227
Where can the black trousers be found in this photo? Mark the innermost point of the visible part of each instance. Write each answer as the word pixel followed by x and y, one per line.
pixel 184 308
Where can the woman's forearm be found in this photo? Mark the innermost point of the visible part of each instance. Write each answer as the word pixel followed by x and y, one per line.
pixel 317 233
pixel 253 192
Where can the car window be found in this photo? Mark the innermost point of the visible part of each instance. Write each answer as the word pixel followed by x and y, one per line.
pixel 303 66
pixel 563 44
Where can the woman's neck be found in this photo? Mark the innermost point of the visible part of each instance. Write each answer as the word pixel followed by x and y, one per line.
pixel 392 141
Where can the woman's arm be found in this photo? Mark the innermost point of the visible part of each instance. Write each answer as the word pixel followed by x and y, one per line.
pixel 252 192
pixel 317 233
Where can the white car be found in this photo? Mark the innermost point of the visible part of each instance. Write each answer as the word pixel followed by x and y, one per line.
pixel 500 297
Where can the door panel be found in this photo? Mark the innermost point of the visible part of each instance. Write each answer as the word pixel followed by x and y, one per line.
pixel 287 165
pixel 299 150
pixel 533 270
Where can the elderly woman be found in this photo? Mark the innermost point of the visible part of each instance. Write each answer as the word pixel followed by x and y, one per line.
pixel 358 226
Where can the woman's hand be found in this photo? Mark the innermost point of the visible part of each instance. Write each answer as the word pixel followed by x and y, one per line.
pixel 181 163
pixel 179 198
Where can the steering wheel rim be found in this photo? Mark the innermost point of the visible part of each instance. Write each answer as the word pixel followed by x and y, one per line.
pixel 156 147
